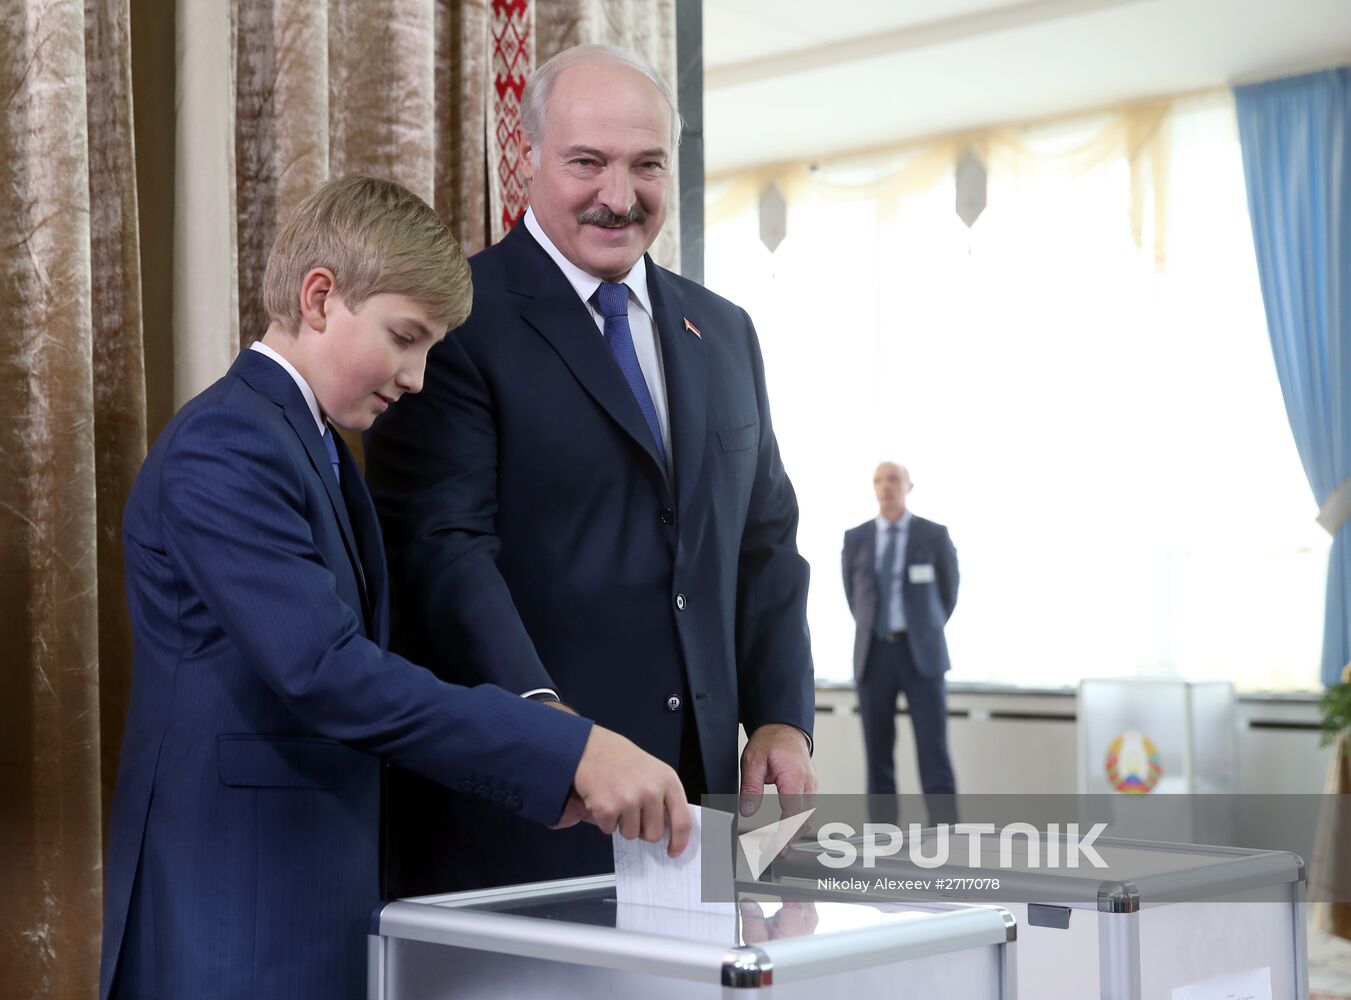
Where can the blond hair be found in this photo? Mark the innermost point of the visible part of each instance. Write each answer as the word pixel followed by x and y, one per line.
pixel 376 237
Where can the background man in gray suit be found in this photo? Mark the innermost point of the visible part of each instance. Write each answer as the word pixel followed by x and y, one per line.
pixel 900 577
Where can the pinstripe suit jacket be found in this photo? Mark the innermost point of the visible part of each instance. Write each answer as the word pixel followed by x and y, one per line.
pixel 244 846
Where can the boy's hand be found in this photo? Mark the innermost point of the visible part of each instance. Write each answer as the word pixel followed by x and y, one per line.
pixel 619 787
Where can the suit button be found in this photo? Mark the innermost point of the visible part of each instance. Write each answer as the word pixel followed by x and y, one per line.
pixel 680 602
pixel 667 516
pixel 673 703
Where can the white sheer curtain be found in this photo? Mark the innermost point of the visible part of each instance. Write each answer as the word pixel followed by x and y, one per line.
pixel 1103 434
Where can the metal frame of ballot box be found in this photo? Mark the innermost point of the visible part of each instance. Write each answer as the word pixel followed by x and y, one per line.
pixel 487 952
pixel 1192 897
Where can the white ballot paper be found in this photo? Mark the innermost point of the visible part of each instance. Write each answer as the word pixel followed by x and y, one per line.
pixel 1255 984
pixel 645 875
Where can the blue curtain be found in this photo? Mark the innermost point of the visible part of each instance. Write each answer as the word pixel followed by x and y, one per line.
pixel 1297 164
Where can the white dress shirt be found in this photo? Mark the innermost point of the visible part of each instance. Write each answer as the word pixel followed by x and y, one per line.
pixel 893 606
pixel 645 343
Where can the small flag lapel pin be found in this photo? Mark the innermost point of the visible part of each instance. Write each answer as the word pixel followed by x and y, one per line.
pixel 693 329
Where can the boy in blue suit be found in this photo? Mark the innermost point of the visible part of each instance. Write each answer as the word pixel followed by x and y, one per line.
pixel 243 854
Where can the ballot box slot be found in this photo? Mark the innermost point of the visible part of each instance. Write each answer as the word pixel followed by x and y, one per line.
pixel 1054 917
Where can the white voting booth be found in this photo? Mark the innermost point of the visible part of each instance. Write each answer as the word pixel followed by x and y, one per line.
pixel 1157 736
pixel 573 938
pixel 1160 737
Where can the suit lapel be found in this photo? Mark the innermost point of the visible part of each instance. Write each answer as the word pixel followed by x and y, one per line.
pixel 554 311
pixel 366 530
pixel 685 362
pixel 870 552
pixel 303 424
pixel 916 551
pixel 914 546
pixel 274 382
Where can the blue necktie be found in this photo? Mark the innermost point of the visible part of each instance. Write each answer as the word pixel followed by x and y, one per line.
pixel 332 450
pixel 612 301
pixel 882 625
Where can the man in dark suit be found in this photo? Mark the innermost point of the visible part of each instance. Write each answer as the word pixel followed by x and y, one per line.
pixel 900 577
pixel 586 504
pixel 243 858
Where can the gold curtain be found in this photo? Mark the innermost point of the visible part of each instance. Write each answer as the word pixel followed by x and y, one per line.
pixel 72 376
pixel 287 93
pixel 241 108
pixel 1135 132
pixel 322 90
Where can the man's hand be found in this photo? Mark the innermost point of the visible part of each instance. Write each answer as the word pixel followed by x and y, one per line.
pixel 796 918
pixel 619 787
pixel 776 754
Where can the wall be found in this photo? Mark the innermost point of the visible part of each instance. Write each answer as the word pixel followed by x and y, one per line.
pixel 1023 742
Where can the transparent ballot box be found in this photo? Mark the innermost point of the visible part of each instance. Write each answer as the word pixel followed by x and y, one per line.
pixel 572 938
pixel 1158 918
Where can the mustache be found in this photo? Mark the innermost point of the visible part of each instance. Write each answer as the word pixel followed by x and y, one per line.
pixel 602 216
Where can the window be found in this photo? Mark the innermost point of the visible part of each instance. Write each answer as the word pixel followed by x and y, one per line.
pixel 1104 437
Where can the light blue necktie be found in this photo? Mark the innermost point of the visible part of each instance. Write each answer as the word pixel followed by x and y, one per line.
pixel 612 301
pixel 885 583
pixel 332 449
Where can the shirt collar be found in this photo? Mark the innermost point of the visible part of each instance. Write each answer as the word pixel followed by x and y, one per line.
pixel 584 284
pixel 903 522
pixel 304 386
